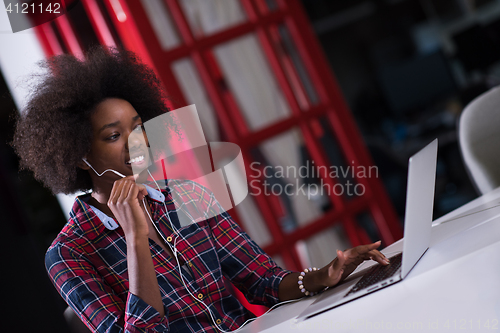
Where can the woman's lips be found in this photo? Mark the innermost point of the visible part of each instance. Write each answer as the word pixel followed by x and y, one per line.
pixel 137 160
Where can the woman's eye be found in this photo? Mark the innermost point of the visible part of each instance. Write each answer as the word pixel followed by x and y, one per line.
pixel 113 137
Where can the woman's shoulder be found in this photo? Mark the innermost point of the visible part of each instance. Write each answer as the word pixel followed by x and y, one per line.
pixel 82 227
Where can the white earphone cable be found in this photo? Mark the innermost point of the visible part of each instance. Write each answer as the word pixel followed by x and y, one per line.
pixel 100 174
pixel 174 251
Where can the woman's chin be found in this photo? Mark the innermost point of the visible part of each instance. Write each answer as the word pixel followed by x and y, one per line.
pixel 141 174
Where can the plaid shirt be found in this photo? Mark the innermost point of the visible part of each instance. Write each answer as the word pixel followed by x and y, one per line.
pixel 87 264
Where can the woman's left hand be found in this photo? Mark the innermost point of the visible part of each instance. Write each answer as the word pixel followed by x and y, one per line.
pixel 347 261
pixel 328 276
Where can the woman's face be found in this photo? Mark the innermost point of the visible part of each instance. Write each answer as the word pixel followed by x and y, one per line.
pixel 118 141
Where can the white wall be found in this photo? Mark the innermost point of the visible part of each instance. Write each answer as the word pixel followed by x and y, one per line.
pixel 19 54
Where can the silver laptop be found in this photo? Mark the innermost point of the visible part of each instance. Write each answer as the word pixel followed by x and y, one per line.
pixel 417 234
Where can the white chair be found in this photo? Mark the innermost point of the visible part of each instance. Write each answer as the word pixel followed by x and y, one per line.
pixel 479 136
pixel 74 322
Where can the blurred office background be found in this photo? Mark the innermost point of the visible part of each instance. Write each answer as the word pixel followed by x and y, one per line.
pixel 354 83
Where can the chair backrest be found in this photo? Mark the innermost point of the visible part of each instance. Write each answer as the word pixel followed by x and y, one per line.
pixel 74 323
pixel 479 136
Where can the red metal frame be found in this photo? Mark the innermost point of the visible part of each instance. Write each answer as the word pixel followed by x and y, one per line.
pixel 98 23
pixel 137 34
pixel 48 40
pixel 68 35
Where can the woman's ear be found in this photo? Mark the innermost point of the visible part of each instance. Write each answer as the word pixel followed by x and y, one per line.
pixel 84 164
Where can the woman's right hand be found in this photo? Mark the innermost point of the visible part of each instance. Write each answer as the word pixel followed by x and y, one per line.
pixel 125 204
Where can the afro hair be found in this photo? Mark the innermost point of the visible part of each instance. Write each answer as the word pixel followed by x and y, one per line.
pixel 53 132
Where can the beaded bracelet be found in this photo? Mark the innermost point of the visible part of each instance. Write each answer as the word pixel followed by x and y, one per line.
pixel 301 284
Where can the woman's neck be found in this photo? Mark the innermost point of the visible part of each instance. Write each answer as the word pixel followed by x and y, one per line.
pixel 101 195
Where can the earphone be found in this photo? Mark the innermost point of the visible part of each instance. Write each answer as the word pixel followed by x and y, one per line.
pixel 97 173
pixel 175 252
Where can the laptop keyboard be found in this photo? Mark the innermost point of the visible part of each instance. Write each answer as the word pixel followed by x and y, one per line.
pixel 377 274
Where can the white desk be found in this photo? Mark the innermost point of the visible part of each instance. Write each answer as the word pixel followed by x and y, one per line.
pixel 455 287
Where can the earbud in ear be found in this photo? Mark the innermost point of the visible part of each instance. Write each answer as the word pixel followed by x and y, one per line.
pixel 86 162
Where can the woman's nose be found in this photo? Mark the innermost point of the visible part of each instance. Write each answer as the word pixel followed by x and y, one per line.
pixel 135 139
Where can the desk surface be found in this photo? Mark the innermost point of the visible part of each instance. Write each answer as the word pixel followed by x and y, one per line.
pixel 455 287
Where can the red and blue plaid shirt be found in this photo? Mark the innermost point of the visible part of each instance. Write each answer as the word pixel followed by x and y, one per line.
pixel 88 265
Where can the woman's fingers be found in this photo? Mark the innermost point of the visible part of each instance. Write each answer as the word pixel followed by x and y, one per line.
pixel 363 249
pixel 375 254
pixel 125 204
pixel 340 262
pixel 365 252
pixel 378 257
pixel 127 190
pixel 372 246
pixel 116 192
pixel 139 190
pixel 142 192
pixel 347 261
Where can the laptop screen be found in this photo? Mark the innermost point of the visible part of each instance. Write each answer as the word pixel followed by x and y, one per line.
pixel 419 205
